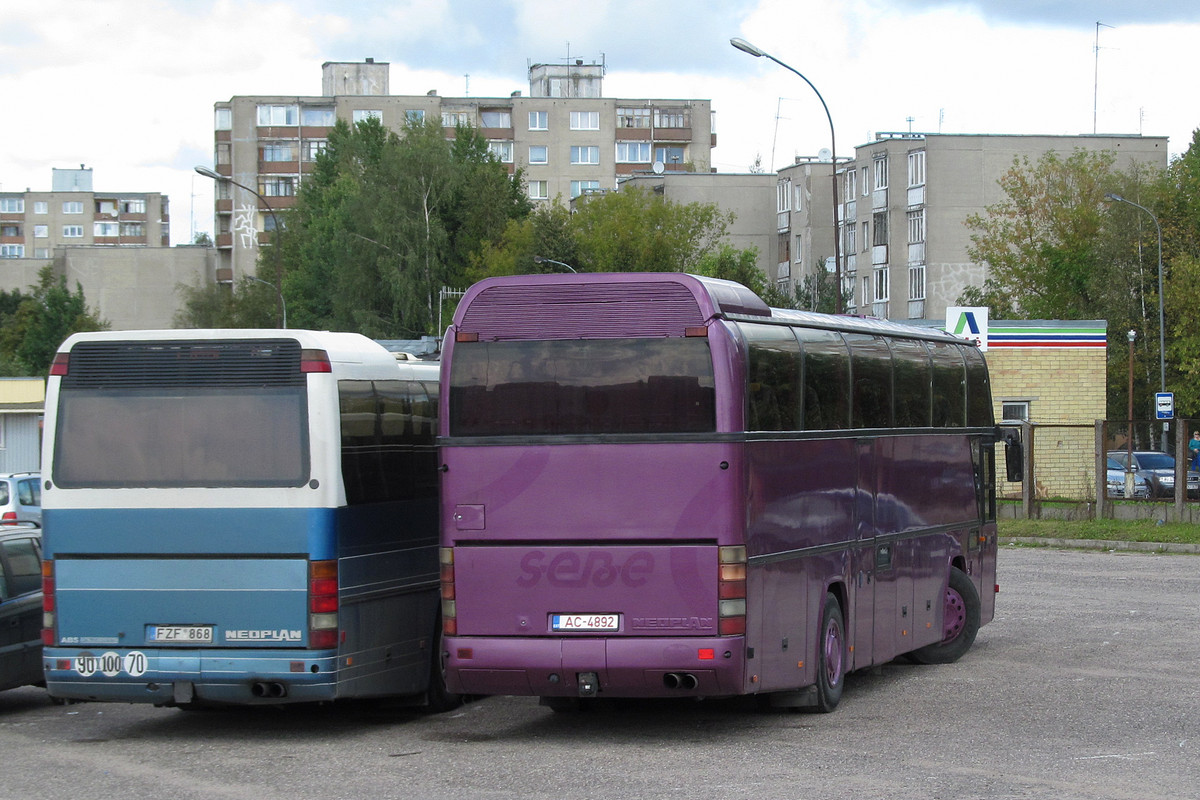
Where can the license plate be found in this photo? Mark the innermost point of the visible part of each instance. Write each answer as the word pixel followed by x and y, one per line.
pixel 585 622
pixel 179 634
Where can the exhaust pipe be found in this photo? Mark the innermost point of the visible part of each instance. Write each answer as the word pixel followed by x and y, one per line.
pixel 680 680
pixel 688 681
pixel 268 690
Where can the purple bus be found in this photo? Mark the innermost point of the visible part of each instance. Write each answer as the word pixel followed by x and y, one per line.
pixel 656 486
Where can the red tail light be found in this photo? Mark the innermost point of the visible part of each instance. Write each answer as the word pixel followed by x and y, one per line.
pixel 61 364
pixel 49 639
pixel 449 608
pixel 322 605
pixel 315 361
pixel 731 591
pixel 8 517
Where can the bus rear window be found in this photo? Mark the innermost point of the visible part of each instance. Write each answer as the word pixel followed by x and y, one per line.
pixel 588 386
pixel 197 437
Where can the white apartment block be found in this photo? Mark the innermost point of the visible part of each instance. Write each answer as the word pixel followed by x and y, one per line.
pixel 903 202
pixel 33 224
pixel 565 136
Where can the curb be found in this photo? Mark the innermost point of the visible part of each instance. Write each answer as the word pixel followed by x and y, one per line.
pixel 1102 544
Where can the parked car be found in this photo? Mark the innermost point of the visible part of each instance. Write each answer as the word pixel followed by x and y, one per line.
pixel 1116 481
pixel 21 498
pixel 1159 469
pixel 20 606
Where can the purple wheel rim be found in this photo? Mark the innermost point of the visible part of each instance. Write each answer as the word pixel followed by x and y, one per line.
pixel 833 653
pixel 955 616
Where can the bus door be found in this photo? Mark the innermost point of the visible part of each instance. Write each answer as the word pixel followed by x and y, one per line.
pixel 864 586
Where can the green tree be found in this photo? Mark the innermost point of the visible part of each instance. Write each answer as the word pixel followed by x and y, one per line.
pixel 741 266
pixel 252 305
pixel 40 322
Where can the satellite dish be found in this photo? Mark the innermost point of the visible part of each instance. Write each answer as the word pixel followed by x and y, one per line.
pixel 824 154
pixel 658 168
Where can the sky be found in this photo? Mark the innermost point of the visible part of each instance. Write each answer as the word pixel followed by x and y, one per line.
pixel 126 87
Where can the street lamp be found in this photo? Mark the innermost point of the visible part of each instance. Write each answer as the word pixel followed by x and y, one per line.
pixel 746 47
pixel 216 176
pixel 282 302
pixel 540 259
pixel 1162 359
pixel 1132 335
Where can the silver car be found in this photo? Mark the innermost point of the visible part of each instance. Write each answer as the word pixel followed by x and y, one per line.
pixel 20 498
pixel 1116 481
pixel 1159 469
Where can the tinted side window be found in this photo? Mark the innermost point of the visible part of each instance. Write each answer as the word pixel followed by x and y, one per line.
pixel 979 392
pixel 913 381
pixel 826 380
pixel 388 429
pixel 22 567
pixel 871 372
pixel 773 378
pixel 949 386
pixel 29 492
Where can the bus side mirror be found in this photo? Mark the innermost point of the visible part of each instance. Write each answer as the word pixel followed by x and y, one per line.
pixel 1014 454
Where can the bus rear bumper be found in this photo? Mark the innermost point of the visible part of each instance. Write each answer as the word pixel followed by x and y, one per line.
pixel 178 677
pixel 611 667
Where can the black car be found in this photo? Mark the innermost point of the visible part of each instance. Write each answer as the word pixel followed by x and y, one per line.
pixel 20 607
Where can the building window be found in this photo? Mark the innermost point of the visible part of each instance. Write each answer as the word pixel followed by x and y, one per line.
pixel 796 251
pixel 106 229
pixel 799 194
pixel 495 118
pixel 269 115
pixel 221 155
pixel 785 252
pixel 277 151
pixel 106 207
pixel 851 238
pixel 585 120
pixel 882 284
pixel 277 186
pixel 503 151
pixel 916 168
pixel 318 116
pixel 12 251
pixel 881 173
pixel 865 181
pixel 12 205
pixel 880 227
pixel 851 184
pixel 916 282
pixel 454 119
pixel 224 119
pixel 633 152
pixel 579 187
pixel 72 207
pixel 414 116
pixel 586 154
pixel 633 118
pixel 866 236
pixel 364 114
pixel 311 148
pixel 916 226
pixel 538 190
pixel 133 206
pixel 672 118
pixel 72 231
pixel 539 121
pixel 669 155
pixel 783 196
pixel 539 154
pixel 10 230
pixel 1014 411
pixel 41 231
pixel 134 229
pixel 41 252
pixel 41 207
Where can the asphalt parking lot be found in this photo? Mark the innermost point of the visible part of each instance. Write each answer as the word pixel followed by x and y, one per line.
pixel 1084 686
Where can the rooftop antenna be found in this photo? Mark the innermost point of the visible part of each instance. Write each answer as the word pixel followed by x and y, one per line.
pixel 1096 77
pixel 910 121
pixel 941 118
pixel 467 85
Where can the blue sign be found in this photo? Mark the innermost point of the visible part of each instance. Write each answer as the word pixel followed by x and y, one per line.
pixel 1164 405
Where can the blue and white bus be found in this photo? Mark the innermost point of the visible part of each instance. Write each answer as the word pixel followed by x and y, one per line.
pixel 240 517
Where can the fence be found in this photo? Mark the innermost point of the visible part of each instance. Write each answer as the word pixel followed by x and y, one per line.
pixel 1066 471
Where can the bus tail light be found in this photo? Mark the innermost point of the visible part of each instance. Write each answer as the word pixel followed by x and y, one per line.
pixel 48 604
pixel 322 605
pixel 61 364
pixel 315 361
pixel 449 610
pixel 731 591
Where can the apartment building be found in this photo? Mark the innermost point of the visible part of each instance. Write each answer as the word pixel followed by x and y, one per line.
pixel 32 223
pixel 902 208
pixel 565 135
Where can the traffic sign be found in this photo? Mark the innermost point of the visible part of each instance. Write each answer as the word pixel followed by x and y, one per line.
pixel 1164 405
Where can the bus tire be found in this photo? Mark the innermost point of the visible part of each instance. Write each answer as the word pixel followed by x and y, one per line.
pixel 960 622
pixel 437 697
pixel 831 656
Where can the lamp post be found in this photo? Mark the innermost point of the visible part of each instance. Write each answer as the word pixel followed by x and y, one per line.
pixel 216 176
pixel 1129 432
pixel 746 47
pixel 540 259
pixel 1162 335
pixel 282 302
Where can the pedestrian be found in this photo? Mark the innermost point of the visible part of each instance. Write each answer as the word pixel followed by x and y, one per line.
pixel 1194 451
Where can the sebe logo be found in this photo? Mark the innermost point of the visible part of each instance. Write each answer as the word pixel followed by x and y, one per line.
pixel 600 569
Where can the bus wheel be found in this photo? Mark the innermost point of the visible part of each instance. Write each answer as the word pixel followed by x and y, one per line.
pixel 831 656
pixel 437 697
pixel 960 622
